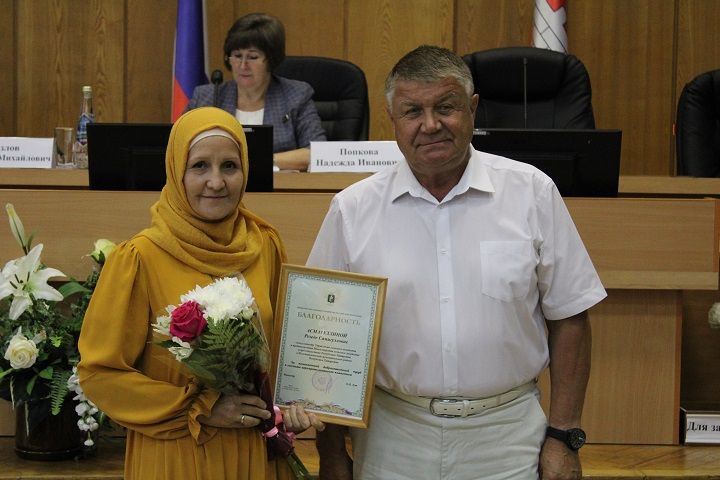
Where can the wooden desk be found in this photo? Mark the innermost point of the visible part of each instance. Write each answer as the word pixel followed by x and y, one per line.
pixel 644 185
pixel 78 179
pixel 629 185
pixel 43 178
pixel 647 251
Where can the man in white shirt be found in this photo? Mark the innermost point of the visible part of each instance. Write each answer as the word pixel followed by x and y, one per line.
pixel 481 256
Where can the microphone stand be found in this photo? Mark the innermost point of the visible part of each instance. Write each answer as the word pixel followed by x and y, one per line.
pixel 216 78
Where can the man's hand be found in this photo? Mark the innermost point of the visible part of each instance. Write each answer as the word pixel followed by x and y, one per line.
pixel 558 462
pixel 335 463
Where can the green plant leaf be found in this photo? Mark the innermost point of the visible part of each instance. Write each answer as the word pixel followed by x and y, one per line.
pixel 30 385
pixel 46 373
pixel 58 390
pixel 72 287
pixel 6 372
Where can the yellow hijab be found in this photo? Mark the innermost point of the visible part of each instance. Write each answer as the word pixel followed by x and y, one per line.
pixel 215 248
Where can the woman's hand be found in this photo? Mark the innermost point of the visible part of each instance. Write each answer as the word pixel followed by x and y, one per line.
pixel 236 411
pixel 296 420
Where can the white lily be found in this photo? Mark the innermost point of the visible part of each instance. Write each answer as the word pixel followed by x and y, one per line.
pixel 25 280
pixel 16 227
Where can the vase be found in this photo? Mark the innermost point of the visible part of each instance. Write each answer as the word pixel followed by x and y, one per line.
pixel 55 437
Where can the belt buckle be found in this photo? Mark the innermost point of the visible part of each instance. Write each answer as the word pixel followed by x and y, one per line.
pixel 444 401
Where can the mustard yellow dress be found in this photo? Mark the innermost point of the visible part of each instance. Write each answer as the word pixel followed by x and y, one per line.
pixel 139 384
pixel 142 387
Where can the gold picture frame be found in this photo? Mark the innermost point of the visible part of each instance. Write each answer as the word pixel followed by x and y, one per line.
pixel 329 341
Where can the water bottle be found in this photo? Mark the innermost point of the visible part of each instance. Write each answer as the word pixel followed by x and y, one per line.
pixel 80 155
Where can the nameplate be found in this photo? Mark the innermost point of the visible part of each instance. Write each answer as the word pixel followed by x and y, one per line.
pixel 370 156
pixel 701 427
pixel 25 152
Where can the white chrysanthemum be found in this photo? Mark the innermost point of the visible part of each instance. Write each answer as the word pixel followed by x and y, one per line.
pixel 247 313
pixel 224 298
pixel 162 325
pixel 203 295
pixel 714 315
pixel 182 351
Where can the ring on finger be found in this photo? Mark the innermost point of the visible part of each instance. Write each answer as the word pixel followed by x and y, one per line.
pixel 242 419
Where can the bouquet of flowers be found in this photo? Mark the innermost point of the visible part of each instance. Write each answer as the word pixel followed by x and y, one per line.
pixel 38 334
pixel 217 334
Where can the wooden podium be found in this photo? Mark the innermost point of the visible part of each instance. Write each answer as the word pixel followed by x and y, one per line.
pixel 647 251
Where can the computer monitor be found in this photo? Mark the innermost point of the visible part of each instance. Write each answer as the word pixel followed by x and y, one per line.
pixel 582 163
pixel 131 156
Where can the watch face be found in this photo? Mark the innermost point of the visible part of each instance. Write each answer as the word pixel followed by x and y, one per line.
pixel 575 438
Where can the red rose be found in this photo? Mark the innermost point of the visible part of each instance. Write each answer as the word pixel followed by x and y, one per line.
pixel 187 321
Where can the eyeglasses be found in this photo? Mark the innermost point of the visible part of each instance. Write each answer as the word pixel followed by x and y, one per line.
pixel 251 58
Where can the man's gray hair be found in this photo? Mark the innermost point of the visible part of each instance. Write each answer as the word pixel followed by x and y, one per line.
pixel 428 63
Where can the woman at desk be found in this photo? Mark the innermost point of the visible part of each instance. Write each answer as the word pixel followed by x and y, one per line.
pixel 254 46
pixel 177 427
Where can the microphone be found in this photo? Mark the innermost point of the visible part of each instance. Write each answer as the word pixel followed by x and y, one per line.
pixel 525 62
pixel 216 78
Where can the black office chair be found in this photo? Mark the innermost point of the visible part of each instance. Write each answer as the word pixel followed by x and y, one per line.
pixel 697 127
pixel 557 88
pixel 341 93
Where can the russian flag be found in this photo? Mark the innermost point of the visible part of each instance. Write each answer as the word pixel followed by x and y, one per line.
pixel 189 68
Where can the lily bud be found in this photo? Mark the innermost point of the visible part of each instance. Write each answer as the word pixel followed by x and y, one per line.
pixel 16 227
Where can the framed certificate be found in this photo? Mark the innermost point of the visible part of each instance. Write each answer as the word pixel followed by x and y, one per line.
pixel 329 341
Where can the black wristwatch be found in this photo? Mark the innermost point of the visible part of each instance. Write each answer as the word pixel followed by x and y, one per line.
pixel 574 438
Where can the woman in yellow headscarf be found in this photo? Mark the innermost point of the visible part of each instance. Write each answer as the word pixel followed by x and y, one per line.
pixel 200 231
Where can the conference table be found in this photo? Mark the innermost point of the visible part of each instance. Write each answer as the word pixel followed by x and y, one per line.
pixel 648 251
pixel 629 185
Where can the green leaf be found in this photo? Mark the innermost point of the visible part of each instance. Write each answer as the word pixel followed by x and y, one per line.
pixel 30 385
pixel 56 341
pixel 46 373
pixel 297 467
pixel 58 390
pixel 72 287
pixel 6 372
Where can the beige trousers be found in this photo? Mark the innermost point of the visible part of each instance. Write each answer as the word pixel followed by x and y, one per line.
pixel 406 442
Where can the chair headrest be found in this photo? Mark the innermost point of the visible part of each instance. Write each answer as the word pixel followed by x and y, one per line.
pixel 499 73
pixel 701 95
pixel 331 78
pixel 698 126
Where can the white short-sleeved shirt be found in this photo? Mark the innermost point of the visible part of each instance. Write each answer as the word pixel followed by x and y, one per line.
pixel 471 279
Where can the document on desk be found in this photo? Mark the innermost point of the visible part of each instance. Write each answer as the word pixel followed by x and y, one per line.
pixel 329 341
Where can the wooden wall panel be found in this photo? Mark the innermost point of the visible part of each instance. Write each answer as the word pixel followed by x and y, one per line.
pixel 63 47
pixel 150 33
pixel 484 24
pixel 7 72
pixel 700 351
pixel 380 32
pixel 634 326
pixel 698 42
pixel 220 16
pixel 312 27
pixel 627 47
